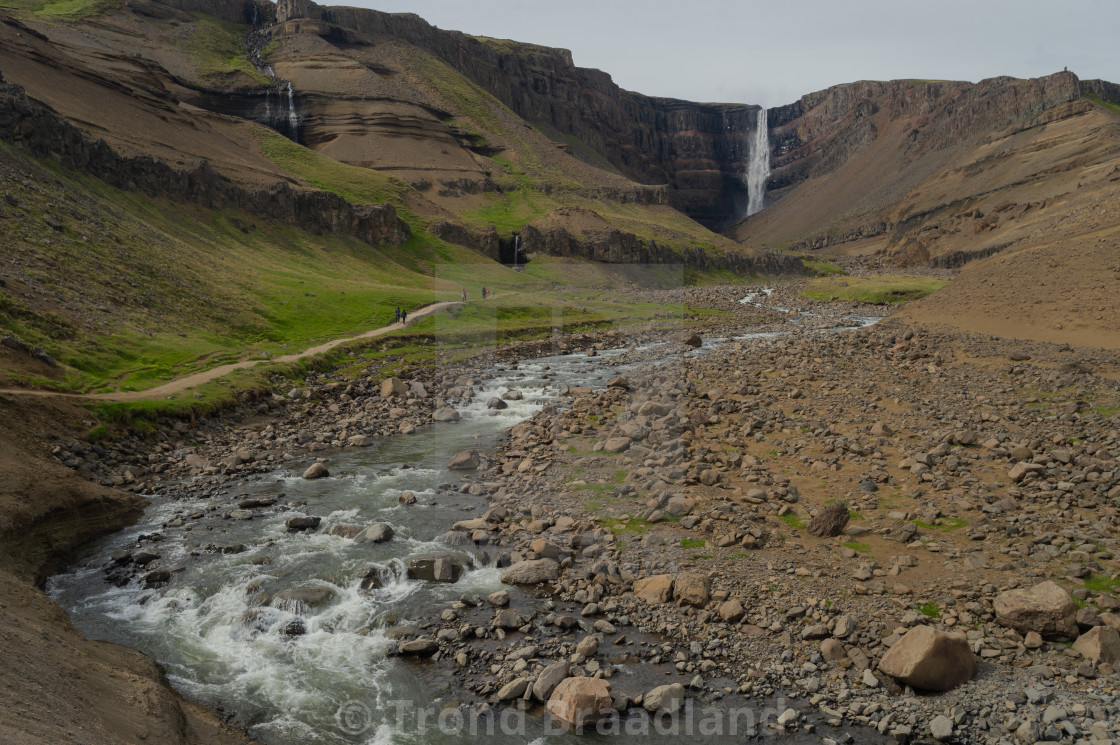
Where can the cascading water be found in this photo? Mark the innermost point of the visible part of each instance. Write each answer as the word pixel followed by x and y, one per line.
pixel 758 168
pixel 293 117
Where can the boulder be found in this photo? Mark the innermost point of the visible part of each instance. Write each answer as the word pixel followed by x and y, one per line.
pixel 303 523
pixel 692 588
pixel 732 611
pixel 550 677
pixel 691 340
pixel 830 520
pixel 577 702
pixel 298 598
pixel 376 533
pixel 657 589
pixel 464 461
pixel 316 471
pixel 930 660
pixel 514 689
pixel 445 414
pixel 439 569
pixel 833 651
pixel 1099 644
pixel 531 572
pixel 391 387
pixel 508 619
pixel 419 647
pixel 497 404
pixel 616 444
pixel 1045 608
pixel 667 698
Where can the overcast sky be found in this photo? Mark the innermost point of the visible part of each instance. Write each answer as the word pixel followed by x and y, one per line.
pixel 773 52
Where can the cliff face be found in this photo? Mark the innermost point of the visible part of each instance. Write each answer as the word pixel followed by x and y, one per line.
pixel 40 131
pixel 823 130
pixel 699 150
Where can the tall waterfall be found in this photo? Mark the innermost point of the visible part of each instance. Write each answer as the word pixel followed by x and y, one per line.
pixel 293 117
pixel 758 169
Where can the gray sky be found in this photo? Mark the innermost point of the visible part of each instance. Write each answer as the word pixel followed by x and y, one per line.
pixel 773 52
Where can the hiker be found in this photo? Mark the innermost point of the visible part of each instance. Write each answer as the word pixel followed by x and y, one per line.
pixel 464 294
pixel 483 293
pixel 404 316
pixel 398 317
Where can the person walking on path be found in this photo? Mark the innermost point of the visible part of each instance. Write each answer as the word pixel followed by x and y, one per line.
pixel 404 317
pixel 398 316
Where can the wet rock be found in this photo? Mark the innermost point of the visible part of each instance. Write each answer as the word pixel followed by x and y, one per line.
pixel 930 660
pixel 445 414
pixel 499 599
pixel 422 647
pixel 496 404
pixel 830 520
pixel 296 599
pixel 577 702
pixel 514 689
pixel 406 498
pixel 549 678
pixel 439 569
pixel 508 619
pixel 666 698
pixel 316 471
pixel 657 589
pixel 1045 608
pixel 691 340
pixel 346 531
pixel 588 646
pixel 466 460
pixel 1099 644
pixel 302 523
pixel 692 588
pixel 376 533
pixel 531 572
pixel 156 578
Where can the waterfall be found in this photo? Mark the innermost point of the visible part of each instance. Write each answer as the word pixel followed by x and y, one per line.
pixel 293 117
pixel 516 248
pixel 758 169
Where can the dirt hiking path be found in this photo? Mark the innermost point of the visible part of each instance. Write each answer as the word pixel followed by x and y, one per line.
pixel 181 384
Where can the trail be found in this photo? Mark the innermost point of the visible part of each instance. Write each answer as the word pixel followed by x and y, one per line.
pixel 181 384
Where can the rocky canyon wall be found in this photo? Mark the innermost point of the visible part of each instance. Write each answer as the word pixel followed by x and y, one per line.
pixel 699 150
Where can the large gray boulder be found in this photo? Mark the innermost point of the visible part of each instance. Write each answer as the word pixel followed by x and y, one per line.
pixel 1099 644
pixel 930 660
pixel 316 471
pixel 667 698
pixel 577 702
pixel 1045 608
pixel 692 588
pixel 445 414
pixel 550 677
pixel 531 572
pixel 657 589
pixel 376 533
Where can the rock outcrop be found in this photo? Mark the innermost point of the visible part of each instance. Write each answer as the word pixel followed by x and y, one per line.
pixel 38 130
pixel 699 150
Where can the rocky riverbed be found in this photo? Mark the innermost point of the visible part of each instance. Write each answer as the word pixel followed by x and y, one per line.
pixel 766 519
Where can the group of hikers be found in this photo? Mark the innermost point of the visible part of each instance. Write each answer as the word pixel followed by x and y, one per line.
pixel 463 294
pixel 402 315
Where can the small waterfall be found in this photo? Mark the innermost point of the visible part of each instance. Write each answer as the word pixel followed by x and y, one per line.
pixel 293 117
pixel 758 168
pixel 516 248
